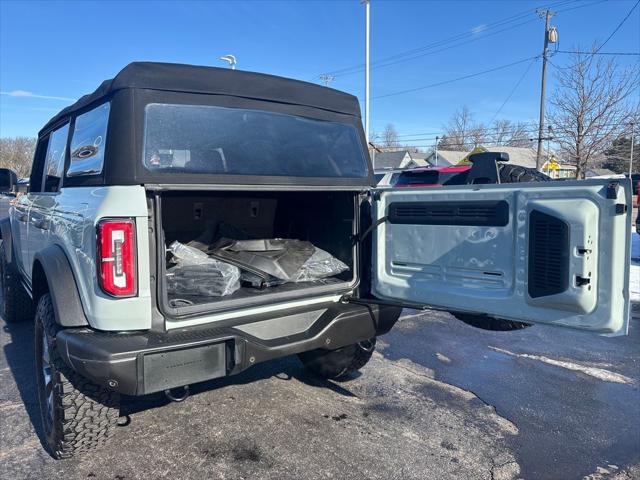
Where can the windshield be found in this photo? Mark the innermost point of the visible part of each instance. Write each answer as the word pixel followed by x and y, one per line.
pixel 219 140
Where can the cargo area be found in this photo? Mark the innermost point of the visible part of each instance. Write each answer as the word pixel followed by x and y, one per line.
pixel 203 221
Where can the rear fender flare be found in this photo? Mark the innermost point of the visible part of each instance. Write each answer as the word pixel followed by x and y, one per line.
pixel 52 272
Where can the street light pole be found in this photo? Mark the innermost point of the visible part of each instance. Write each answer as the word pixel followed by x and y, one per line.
pixel 366 69
pixel 548 14
pixel 549 131
pixel 631 154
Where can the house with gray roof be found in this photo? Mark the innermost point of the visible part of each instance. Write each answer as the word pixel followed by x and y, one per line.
pixel 397 159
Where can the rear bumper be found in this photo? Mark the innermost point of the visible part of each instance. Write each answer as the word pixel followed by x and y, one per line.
pixel 147 362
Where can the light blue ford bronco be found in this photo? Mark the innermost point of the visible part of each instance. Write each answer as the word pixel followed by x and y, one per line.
pixel 184 223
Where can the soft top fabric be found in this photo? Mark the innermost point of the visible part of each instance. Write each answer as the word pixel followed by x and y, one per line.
pixel 174 77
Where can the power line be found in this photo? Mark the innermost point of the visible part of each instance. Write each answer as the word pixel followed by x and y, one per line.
pixel 510 131
pixel 426 142
pixel 618 27
pixel 326 79
pixel 459 36
pixel 636 54
pixel 464 77
pixel 488 143
pixel 400 59
pixel 532 124
pixel 418 52
pixel 513 90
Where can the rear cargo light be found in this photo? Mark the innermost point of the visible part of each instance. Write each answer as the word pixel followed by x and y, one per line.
pixel 117 257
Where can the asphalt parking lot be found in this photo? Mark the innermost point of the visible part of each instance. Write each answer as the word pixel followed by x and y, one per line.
pixel 438 400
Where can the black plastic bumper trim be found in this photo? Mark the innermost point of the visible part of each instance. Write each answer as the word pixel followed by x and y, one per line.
pixel 117 360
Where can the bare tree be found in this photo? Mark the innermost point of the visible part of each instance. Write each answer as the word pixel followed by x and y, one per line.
pixel 505 132
pixel 460 133
pixel 17 154
pixel 390 136
pixel 590 107
pixel 477 135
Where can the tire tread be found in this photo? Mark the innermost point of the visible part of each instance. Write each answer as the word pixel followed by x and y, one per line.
pixel 87 413
pixel 337 364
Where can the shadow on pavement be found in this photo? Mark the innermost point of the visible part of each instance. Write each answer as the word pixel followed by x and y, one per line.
pixel 569 423
pixel 284 369
pixel 19 353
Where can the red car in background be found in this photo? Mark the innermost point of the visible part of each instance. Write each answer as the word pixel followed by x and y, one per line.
pixel 441 176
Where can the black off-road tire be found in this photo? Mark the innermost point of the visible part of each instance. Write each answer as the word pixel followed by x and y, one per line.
pixel 82 415
pixel 338 364
pixel 16 305
pixel 517 174
pixel 490 323
pixel 508 174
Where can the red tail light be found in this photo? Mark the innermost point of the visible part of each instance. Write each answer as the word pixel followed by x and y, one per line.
pixel 117 257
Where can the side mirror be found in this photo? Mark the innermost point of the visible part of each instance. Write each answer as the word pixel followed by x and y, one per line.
pixel 8 180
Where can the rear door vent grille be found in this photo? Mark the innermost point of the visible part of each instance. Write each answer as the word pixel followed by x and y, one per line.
pixel 482 214
pixel 548 255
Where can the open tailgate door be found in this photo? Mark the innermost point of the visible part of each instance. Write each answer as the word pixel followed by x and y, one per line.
pixel 549 252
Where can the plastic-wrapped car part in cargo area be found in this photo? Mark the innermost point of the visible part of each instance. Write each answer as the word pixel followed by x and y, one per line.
pixel 246 230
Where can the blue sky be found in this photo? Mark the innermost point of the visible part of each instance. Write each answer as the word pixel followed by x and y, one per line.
pixel 53 52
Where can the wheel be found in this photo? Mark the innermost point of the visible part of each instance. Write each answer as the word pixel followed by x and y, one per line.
pixel 77 415
pixel 516 174
pixel 341 363
pixel 508 173
pixel 16 305
pixel 489 323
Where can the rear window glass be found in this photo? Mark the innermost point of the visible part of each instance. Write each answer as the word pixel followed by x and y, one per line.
pixel 432 177
pixel 219 140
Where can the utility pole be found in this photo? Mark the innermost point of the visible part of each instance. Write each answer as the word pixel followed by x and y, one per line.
pixel 631 154
pixel 436 150
pixel 547 14
pixel 326 78
pixel 366 69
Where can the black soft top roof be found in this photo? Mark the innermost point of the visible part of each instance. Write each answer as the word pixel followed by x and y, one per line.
pixel 174 77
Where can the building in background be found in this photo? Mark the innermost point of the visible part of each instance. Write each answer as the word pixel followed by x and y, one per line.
pixel 599 172
pixel 445 157
pixel 398 159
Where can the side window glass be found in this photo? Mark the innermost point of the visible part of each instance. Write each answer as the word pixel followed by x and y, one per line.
pixel 55 159
pixel 88 142
pixel 37 169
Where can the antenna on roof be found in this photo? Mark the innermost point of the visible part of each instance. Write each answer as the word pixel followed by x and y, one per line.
pixel 326 78
pixel 231 59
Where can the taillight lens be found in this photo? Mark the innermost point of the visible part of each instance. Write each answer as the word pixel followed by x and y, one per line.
pixel 117 257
